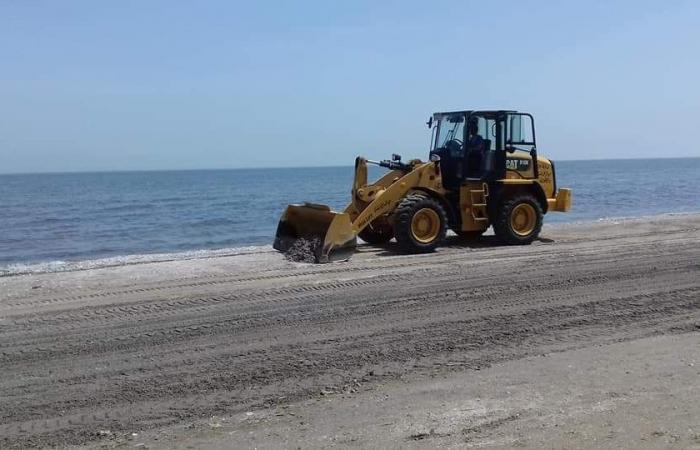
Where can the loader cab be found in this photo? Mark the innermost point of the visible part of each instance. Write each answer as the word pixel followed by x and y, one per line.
pixel 483 145
pixel 449 136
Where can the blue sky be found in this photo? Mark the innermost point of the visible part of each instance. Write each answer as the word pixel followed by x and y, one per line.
pixel 139 85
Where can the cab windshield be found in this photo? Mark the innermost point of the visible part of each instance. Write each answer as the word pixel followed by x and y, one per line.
pixel 450 128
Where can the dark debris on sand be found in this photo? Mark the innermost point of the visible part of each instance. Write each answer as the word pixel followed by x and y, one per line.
pixel 303 250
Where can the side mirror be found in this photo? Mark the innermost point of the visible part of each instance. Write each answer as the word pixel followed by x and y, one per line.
pixel 430 122
pixel 434 157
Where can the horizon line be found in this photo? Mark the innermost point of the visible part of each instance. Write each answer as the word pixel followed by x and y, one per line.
pixel 75 172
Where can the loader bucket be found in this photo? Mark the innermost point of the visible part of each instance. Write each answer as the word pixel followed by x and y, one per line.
pixel 327 234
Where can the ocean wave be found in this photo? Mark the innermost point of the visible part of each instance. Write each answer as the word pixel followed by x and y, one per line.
pixel 136 207
pixel 114 261
pixel 214 221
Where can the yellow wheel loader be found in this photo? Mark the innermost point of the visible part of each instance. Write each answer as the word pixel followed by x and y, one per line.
pixel 483 171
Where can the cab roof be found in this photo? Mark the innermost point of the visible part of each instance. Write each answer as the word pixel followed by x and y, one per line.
pixel 489 112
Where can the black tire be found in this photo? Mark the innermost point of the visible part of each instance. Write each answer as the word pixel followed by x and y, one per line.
pixel 403 219
pixel 469 234
pixel 377 233
pixel 503 223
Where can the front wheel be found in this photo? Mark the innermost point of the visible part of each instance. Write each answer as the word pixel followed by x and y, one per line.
pixel 518 220
pixel 420 224
pixel 377 233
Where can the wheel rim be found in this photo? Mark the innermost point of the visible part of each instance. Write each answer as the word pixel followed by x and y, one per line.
pixel 523 219
pixel 425 225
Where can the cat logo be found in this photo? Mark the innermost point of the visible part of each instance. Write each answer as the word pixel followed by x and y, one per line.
pixel 517 164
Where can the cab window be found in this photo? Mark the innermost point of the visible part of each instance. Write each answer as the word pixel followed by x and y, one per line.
pixel 451 128
pixel 520 132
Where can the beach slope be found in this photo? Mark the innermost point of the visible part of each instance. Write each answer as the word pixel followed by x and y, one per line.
pixel 477 343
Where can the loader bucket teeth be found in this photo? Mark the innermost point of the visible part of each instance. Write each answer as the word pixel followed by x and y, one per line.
pixel 314 231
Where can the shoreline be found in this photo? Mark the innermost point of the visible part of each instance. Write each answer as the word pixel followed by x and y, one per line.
pixel 35 268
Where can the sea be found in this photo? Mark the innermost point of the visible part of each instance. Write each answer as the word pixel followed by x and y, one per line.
pixel 66 221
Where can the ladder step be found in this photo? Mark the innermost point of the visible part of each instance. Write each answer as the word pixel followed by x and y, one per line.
pixel 479 204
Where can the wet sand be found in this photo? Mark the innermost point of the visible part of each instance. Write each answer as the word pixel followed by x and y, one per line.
pixel 263 344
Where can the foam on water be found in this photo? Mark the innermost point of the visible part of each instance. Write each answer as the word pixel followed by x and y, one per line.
pixel 68 266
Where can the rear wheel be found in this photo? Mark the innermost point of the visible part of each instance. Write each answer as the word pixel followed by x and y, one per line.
pixel 419 224
pixel 519 220
pixel 378 232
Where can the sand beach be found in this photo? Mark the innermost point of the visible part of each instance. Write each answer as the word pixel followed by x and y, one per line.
pixel 588 338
